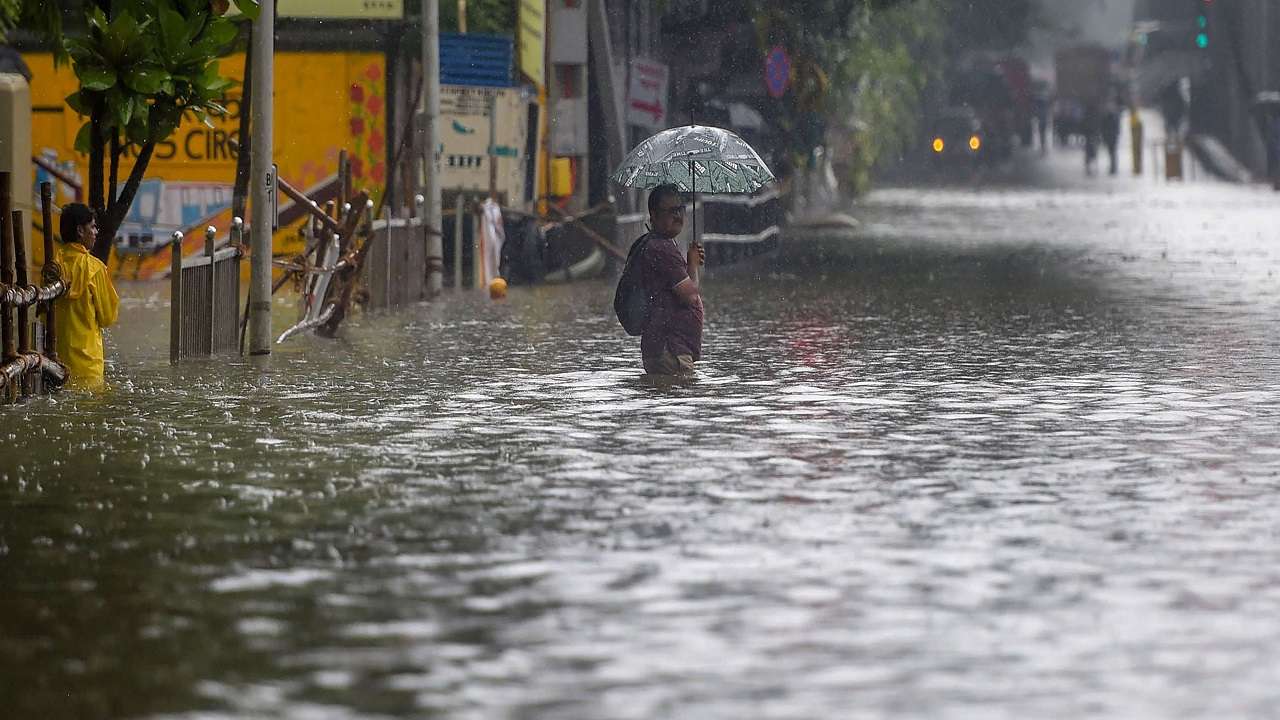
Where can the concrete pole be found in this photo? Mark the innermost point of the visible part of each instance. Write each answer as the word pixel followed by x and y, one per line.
pixel 430 143
pixel 262 185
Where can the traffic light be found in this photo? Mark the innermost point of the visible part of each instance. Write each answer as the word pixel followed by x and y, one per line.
pixel 1202 23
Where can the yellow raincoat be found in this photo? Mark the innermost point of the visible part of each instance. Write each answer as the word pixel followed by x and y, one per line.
pixel 90 304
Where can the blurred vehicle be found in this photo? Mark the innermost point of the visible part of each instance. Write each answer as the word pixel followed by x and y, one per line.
pixel 983 88
pixel 956 136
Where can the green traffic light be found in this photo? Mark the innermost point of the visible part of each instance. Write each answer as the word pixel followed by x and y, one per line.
pixel 1202 40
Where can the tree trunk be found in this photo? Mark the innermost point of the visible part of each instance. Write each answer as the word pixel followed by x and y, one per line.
pixel 240 195
pixel 115 214
pixel 97 156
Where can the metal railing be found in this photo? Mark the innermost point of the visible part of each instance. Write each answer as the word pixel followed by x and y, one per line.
pixel 25 371
pixel 205 297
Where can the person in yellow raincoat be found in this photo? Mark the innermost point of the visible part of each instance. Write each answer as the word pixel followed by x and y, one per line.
pixel 90 303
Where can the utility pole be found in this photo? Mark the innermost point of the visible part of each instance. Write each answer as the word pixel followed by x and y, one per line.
pixel 263 183
pixel 429 137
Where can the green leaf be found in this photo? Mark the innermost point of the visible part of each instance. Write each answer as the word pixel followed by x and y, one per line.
pixel 249 8
pixel 220 33
pixel 173 34
pixel 77 101
pixel 81 50
pixel 95 78
pixel 83 138
pixel 124 111
pixel 137 131
pixel 146 79
pixel 221 85
pixel 121 39
pixel 98 19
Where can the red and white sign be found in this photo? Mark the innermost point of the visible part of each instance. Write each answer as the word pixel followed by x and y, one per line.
pixel 647 94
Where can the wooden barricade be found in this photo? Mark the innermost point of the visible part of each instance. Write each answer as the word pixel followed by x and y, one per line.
pixel 395 268
pixel 24 370
pixel 205 297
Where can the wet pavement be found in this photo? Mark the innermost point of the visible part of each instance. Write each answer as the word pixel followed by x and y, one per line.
pixel 1008 450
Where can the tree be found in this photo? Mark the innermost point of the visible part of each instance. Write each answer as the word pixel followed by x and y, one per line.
pixel 143 65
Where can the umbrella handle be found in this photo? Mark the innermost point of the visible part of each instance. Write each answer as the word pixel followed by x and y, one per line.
pixel 695 267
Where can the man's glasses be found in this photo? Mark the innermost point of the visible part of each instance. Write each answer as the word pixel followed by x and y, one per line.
pixel 673 211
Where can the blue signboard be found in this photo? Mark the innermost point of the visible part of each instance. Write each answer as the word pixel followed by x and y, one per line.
pixel 476 59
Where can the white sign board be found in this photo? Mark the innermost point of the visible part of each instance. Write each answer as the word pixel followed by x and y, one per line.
pixel 464 139
pixel 647 94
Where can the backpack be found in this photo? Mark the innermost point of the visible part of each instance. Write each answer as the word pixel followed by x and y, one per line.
pixel 630 301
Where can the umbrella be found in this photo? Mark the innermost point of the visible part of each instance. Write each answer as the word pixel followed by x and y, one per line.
pixel 694 158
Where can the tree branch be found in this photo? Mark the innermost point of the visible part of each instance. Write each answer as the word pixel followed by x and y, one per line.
pixel 115 166
pixel 240 195
pixel 120 206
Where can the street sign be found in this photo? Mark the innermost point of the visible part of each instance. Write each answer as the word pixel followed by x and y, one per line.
pixel 647 94
pixel 777 71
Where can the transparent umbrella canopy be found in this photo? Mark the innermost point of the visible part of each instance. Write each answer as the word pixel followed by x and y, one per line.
pixel 695 158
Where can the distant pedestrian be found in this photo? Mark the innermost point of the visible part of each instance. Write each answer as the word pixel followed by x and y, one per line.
pixel 1173 107
pixel 1091 127
pixel 1040 105
pixel 90 303
pixel 1111 135
pixel 671 339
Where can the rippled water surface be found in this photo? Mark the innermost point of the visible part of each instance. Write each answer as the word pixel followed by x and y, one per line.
pixel 1000 453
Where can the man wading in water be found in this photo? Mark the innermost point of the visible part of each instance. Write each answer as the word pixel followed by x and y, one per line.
pixel 672 339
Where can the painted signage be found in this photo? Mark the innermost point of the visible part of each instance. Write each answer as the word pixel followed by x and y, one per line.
pixel 464 139
pixel 338 9
pixel 533 30
pixel 191 174
pixel 647 94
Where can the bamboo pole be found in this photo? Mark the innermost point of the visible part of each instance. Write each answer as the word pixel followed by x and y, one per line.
pixel 20 274
pixel 209 234
pixel 50 269
pixel 10 348
pixel 458 220
pixel 175 299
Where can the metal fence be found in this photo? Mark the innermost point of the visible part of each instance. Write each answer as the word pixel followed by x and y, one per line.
pixel 205 291
pixel 28 365
pixel 395 269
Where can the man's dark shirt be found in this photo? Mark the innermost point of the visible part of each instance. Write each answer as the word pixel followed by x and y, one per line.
pixel 672 325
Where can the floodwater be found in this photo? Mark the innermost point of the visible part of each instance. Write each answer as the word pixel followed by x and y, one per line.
pixel 1006 451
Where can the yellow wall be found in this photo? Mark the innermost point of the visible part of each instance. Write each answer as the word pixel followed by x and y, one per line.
pixel 325 103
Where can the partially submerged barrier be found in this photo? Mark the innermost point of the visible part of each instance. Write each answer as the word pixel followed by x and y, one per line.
pixel 24 370
pixel 205 296
pixel 394 269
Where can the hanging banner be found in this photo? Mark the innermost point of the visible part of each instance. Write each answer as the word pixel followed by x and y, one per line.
pixel 533 31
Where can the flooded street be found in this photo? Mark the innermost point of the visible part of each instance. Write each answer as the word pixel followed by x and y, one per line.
pixel 1005 451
